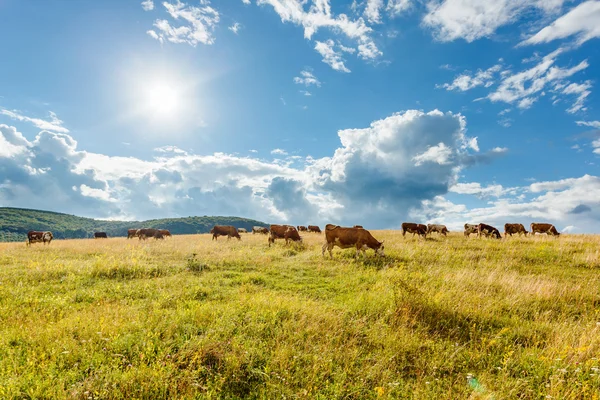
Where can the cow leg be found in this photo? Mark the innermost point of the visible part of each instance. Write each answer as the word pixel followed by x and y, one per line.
pixel 403 233
pixel 323 248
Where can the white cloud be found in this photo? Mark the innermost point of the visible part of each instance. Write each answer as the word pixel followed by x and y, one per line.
pixel 307 78
pixel 397 7
pixel 372 11
pixel 439 154
pixel 306 92
pixel 235 28
pixel 474 19
pixel 465 81
pixel 582 91
pixel 582 21
pixel 246 1
pixel 475 189
pixel 320 17
pixel 592 124
pixel 148 5
pixel 279 152
pixel 55 124
pixel 331 57
pixel 198 24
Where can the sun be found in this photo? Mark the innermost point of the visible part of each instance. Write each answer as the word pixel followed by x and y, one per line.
pixel 162 99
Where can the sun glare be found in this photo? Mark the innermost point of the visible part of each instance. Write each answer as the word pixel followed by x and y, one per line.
pixel 162 99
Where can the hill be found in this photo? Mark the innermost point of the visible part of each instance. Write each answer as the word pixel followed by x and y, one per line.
pixel 16 222
pixel 190 318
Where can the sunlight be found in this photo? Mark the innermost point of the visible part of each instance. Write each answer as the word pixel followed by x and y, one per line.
pixel 163 99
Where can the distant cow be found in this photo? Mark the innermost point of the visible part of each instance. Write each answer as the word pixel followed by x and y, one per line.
pixel 345 238
pixel 358 226
pixel 145 233
pixel 100 235
pixel 413 228
pixel 488 230
pixel 158 235
pixel 519 229
pixel 225 230
pixel 441 229
pixel 549 229
pixel 301 228
pixel 131 233
pixel 260 229
pixel 242 230
pixel 314 228
pixel 470 228
pixel 165 232
pixel 286 232
pixel 39 237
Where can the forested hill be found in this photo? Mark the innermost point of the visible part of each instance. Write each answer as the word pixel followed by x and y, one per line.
pixel 16 222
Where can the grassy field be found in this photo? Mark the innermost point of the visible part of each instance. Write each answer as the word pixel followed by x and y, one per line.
pixel 190 318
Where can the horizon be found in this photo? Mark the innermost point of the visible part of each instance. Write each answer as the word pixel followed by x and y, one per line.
pixel 371 113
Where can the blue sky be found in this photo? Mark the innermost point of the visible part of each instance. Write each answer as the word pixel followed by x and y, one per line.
pixel 371 112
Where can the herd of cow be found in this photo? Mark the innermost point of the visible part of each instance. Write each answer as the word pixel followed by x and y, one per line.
pixel 356 237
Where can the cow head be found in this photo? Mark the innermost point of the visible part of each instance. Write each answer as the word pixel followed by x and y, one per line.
pixel 379 250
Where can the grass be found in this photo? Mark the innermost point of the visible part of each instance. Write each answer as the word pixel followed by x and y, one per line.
pixel 188 318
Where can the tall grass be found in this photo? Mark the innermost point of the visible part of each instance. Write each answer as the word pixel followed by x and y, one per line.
pixel 193 318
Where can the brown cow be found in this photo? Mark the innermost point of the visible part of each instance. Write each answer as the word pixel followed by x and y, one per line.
pixel 260 229
pixel 286 232
pixel 519 229
pixel 131 233
pixel 548 229
pixel 413 228
pixel 301 228
pixel 159 235
pixel 39 237
pixel 470 228
pixel 242 230
pixel 100 235
pixel 225 230
pixel 358 226
pixel 488 230
pixel 145 233
pixel 165 232
pixel 345 238
pixel 441 229
pixel 314 228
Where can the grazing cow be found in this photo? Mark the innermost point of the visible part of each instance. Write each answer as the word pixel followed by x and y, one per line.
pixel 345 238
pixel 548 229
pixel 301 228
pixel 470 228
pixel 242 230
pixel 145 233
pixel 358 226
pixel 39 237
pixel 441 229
pixel 413 228
pixel 286 232
pixel 131 233
pixel 225 230
pixel 165 232
pixel 158 235
pixel 100 235
pixel 260 229
pixel 314 228
pixel 519 229
pixel 488 230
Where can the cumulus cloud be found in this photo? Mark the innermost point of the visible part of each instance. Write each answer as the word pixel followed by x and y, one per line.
pixel 199 23
pixel 582 21
pixel 235 28
pixel 465 81
pixel 330 56
pixel 474 19
pixel 148 5
pixel 55 124
pixel 307 78
pixel 279 152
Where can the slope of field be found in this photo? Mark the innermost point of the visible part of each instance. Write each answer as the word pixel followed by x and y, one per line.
pixel 188 317
pixel 16 222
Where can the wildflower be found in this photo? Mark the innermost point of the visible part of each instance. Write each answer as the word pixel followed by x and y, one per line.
pixel 380 391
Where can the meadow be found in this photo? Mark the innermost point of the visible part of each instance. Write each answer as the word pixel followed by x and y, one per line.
pixel 187 317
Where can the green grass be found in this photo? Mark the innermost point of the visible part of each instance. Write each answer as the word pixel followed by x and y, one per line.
pixel 192 318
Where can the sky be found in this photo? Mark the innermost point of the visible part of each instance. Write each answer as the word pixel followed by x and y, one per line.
pixel 371 112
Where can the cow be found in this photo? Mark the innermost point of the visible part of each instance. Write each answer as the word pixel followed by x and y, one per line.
pixel 131 233
pixel 158 235
pixel 314 228
pixel 413 228
pixel 358 226
pixel 165 232
pixel 145 233
pixel 548 229
pixel 260 229
pixel 470 228
pixel 39 237
pixel 441 229
pixel 286 232
pixel 345 238
pixel 242 230
pixel 301 228
pixel 100 235
pixel 519 229
pixel 225 230
pixel 488 230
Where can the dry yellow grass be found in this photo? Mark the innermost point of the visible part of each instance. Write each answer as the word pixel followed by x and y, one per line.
pixel 444 318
